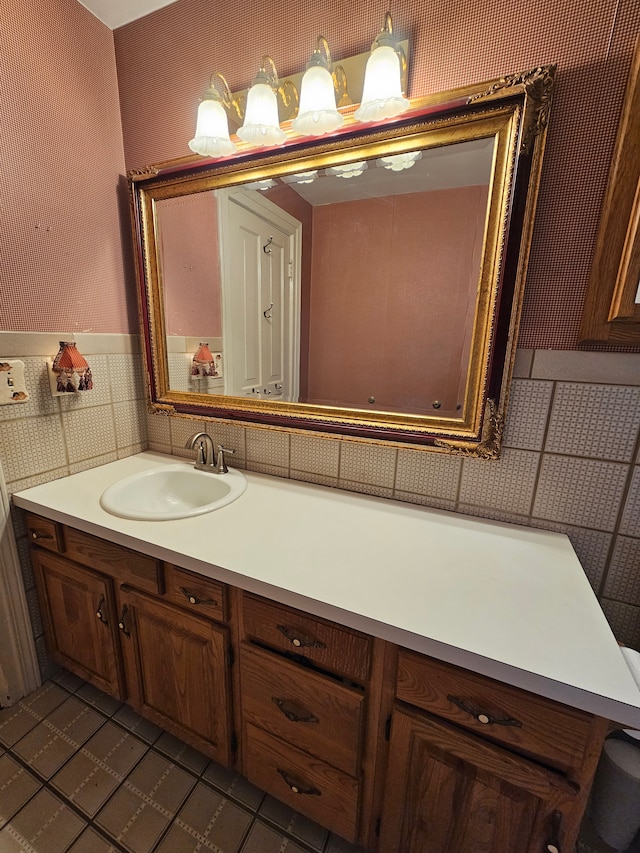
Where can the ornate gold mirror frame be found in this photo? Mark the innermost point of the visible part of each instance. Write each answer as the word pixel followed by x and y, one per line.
pixel 513 113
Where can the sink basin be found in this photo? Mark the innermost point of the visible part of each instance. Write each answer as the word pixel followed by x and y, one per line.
pixel 172 491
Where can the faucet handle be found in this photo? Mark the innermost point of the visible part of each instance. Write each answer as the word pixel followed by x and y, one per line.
pixel 222 464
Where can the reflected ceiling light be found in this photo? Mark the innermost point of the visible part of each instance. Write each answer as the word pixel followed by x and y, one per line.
pixel 350 170
pixel 263 185
pixel 261 125
pixel 212 126
pixel 301 177
pixel 382 93
pixel 398 162
pixel 318 113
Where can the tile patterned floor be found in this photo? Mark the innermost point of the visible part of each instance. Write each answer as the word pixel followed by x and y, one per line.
pixel 82 773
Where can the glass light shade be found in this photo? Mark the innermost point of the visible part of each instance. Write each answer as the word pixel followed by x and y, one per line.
pixel 382 93
pixel 301 177
pixel 317 113
pixel 350 170
pixel 261 123
pixel 212 131
pixel 398 162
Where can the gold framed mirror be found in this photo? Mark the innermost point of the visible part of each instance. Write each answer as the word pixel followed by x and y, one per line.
pixel 368 283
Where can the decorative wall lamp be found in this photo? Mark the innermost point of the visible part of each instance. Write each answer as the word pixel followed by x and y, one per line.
pixel 318 113
pixel 382 92
pixel 70 371
pixel 212 126
pixel 317 109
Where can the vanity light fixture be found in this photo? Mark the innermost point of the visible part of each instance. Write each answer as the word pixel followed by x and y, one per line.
pixel 261 125
pixel 324 93
pixel 318 113
pixel 350 170
pixel 399 162
pixel 212 126
pixel 301 177
pixel 263 185
pixel 382 93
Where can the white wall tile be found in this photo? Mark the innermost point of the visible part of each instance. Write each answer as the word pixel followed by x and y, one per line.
pixel 131 422
pixel 527 414
pixel 268 446
pixel 367 463
pixel 615 368
pixel 229 435
pixel 598 421
pixel 630 524
pixel 583 492
pixel 506 484
pixel 623 577
pixel 31 445
pixel 433 474
pixel 89 432
pixel 126 377
pixel 624 620
pixel 315 455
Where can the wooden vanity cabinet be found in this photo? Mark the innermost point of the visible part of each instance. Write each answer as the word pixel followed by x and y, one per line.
pixel 386 747
pixel 476 764
pixel 305 693
pixel 79 618
pixel 106 618
pixel 177 671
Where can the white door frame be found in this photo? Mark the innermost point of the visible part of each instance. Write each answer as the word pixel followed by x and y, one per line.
pixel 256 203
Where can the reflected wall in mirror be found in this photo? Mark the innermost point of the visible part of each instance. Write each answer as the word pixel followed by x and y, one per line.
pixel 367 284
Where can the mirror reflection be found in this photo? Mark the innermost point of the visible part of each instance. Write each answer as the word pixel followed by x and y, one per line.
pixel 354 285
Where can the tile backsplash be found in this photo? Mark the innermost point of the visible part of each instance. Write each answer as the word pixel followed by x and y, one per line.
pixel 570 462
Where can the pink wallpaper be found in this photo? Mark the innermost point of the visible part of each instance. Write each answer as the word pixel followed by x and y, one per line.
pixel 420 286
pixel 62 161
pixel 164 62
pixel 188 244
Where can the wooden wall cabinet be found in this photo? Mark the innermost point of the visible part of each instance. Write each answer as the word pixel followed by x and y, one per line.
pixel 611 313
pixel 385 747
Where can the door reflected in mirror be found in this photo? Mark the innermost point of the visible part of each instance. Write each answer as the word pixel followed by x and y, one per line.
pixel 350 287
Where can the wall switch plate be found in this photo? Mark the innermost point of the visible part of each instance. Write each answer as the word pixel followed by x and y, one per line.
pixel 13 388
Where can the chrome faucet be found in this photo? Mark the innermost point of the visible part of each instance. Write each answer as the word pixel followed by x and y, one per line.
pixel 205 456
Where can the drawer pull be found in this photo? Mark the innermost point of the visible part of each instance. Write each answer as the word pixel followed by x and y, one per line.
pixel 291 715
pixel 194 599
pixel 35 534
pixel 481 717
pixel 298 787
pixel 122 624
pixel 553 844
pixel 299 642
pixel 99 613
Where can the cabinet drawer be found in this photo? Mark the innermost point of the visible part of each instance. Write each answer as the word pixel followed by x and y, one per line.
pixel 308 710
pixel 532 725
pixel 126 566
pixel 199 594
pixel 45 533
pixel 326 644
pixel 306 784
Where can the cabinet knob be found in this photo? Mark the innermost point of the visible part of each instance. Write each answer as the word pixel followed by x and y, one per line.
pixel 294 716
pixel 192 598
pixel 300 642
pixel 35 534
pixel 553 843
pixel 99 613
pixel 122 623
pixel 297 787
pixel 481 716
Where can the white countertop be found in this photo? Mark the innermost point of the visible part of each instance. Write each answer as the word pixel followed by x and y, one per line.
pixel 509 602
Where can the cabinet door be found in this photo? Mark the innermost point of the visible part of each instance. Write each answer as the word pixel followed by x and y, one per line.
pixel 78 611
pixel 450 792
pixel 177 672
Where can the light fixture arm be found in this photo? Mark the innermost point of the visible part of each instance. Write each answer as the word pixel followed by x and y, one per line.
pixel 219 91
